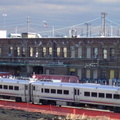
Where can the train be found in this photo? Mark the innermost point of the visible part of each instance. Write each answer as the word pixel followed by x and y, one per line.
pixel 61 78
pixel 61 93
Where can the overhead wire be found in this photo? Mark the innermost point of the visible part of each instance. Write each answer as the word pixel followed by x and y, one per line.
pixel 39 27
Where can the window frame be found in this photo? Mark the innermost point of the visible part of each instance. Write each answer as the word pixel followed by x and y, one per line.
pixel 16 88
pixel 94 94
pixel 101 95
pixel 66 92
pixel 87 94
pixel 109 95
pixel 53 91
pixel 11 87
pixel 59 91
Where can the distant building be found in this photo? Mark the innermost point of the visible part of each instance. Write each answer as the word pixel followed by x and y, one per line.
pixel 3 33
pixel 87 58
pixel 14 35
pixel 31 35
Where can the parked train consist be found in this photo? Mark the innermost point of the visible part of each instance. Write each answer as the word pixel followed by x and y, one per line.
pixel 68 94
pixel 61 78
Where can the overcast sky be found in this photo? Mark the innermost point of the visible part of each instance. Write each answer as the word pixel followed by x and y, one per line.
pixel 57 13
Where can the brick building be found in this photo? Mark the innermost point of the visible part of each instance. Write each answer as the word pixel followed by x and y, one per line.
pixel 88 58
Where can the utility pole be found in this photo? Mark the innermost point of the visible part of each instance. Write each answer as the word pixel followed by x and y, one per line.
pixel 28 23
pixel 103 15
pixel 87 25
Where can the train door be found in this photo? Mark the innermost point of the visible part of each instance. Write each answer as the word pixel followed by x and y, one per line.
pixel 27 93
pixel 76 94
pixel 32 93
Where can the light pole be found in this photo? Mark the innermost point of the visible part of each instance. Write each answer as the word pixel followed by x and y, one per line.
pixel 4 15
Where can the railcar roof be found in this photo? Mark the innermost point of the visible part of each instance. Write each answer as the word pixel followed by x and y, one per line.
pixel 8 80
pixel 77 85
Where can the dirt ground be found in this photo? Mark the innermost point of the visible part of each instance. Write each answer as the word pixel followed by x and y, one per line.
pixel 11 114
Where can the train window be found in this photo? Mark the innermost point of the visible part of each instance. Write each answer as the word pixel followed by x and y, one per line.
pixel 42 90
pixel 76 91
pixel 66 92
pixel 46 90
pixel 0 86
pixel 94 94
pixel 59 91
pixel 86 93
pixel 10 87
pixel 108 95
pixel 5 87
pixel 16 88
pixel 26 87
pixel 116 96
pixel 53 91
pixel 33 87
pixel 101 95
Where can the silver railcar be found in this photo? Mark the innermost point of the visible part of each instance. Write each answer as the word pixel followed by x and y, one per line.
pixel 19 90
pixel 68 94
pixel 103 96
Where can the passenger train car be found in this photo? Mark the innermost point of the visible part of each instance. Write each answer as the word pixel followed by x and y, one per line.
pixel 19 90
pixel 68 94
pixel 73 94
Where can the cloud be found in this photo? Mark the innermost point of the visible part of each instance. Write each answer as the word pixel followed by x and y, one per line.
pixel 58 11
pixel 43 7
pixel 12 2
pixel 54 11
pixel 108 1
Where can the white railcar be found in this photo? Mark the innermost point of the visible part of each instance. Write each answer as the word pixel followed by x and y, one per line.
pixel 19 90
pixel 76 94
pixel 52 93
pixel 100 95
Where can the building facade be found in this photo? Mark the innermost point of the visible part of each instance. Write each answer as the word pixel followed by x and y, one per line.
pixel 87 58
